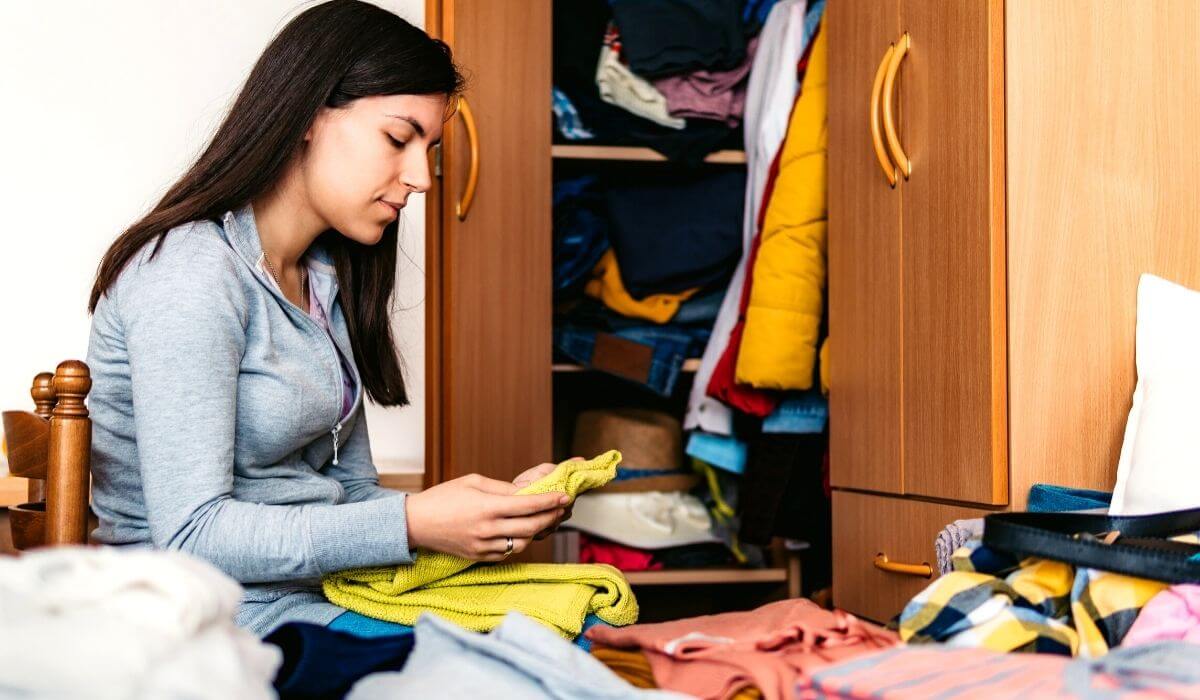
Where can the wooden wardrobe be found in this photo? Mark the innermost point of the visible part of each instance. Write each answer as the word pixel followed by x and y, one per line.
pixel 982 305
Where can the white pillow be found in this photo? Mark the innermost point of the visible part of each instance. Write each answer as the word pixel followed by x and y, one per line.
pixel 1159 467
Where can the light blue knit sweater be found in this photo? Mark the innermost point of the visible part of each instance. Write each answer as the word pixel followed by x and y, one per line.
pixel 215 404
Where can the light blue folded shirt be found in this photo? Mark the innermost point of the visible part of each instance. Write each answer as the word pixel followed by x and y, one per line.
pixel 518 659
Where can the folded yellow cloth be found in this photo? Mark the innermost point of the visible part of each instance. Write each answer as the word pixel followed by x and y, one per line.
pixel 607 286
pixel 477 596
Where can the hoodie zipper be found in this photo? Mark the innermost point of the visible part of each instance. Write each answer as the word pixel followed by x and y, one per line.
pixel 337 361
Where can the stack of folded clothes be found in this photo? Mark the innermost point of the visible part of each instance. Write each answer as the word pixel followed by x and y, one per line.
pixel 670 75
pixel 647 517
pixel 639 268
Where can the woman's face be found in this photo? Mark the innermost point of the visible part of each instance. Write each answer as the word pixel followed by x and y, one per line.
pixel 363 160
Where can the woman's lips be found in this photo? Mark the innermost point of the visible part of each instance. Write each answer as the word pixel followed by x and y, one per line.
pixel 394 208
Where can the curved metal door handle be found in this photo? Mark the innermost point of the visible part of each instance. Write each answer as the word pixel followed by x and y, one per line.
pixel 884 564
pixel 464 203
pixel 889 170
pixel 889 119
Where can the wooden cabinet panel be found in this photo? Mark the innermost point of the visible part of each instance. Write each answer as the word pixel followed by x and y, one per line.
pixel 866 525
pixel 864 257
pixel 1102 188
pixel 952 127
pixel 495 337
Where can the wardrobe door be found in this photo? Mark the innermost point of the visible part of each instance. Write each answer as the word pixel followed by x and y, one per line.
pixel 1102 188
pixel 864 254
pixel 489 242
pixel 951 128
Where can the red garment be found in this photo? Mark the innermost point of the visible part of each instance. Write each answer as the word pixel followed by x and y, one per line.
pixel 771 648
pixel 722 385
pixel 596 551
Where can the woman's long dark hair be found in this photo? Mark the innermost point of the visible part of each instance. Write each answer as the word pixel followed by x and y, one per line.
pixel 328 56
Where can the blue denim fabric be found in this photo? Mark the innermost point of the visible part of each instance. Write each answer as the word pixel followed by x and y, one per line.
pixel 804 413
pixel 721 451
pixel 580 232
pixel 700 309
pixel 695 313
pixel 671 346
pixel 1048 498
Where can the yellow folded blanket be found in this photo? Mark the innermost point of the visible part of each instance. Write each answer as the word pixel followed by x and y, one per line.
pixel 477 596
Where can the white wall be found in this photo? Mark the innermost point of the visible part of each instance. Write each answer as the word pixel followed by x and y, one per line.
pixel 102 106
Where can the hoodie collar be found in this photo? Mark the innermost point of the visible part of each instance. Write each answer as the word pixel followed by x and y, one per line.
pixel 242 232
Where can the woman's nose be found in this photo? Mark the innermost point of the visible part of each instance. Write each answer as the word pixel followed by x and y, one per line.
pixel 415 176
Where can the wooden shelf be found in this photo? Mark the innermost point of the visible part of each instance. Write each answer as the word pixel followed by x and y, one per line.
pixel 690 365
pixel 635 153
pixel 680 577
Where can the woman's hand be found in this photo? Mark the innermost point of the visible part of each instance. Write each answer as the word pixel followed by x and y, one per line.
pixel 529 476
pixel 472 516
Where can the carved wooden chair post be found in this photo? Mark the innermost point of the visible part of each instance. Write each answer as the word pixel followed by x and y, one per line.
pixel 52 448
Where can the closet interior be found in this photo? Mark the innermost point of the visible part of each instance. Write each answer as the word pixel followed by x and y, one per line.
pixel 648 213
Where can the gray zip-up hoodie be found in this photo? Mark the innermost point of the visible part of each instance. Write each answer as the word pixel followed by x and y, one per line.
pixel 215 405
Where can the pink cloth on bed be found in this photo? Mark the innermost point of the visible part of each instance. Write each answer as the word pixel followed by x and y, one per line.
pixel 1173 614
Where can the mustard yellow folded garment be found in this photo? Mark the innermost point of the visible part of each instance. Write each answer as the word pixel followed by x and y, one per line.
pixel 477 596
pixel 607 286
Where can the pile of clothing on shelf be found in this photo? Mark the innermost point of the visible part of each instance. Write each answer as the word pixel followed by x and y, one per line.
pixel 638 267
pixel 670 75
pixel 722 263
pixel 657 513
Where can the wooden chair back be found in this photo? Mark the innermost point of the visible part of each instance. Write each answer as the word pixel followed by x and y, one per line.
pixel 52 448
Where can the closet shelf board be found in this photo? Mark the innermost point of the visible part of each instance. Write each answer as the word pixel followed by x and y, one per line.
pixel 568 151
pixel 690 365
pixel 705 576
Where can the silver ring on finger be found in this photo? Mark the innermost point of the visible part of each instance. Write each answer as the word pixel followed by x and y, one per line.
pixel 508 547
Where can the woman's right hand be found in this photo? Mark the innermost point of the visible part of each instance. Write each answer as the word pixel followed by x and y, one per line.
pixel 472 516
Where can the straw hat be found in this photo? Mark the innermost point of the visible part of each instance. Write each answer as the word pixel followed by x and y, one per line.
pixel 649 441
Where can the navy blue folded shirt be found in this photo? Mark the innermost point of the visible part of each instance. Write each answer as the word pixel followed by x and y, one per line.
pixel 322 663
pixel 673 234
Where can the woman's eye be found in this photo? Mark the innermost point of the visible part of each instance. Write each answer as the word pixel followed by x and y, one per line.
pixel 395 141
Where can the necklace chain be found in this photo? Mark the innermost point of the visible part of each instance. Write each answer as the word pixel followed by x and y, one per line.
pixel 275 276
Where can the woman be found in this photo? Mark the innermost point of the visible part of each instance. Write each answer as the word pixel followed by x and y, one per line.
pixel 237 326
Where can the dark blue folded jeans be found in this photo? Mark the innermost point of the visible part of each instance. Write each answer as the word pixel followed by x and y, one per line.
pixel 649 355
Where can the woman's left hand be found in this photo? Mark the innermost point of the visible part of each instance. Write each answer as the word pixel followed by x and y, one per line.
pixel 529 476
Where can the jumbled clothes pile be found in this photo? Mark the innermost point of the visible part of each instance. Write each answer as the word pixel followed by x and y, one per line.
pixel 102 622
pixel 649 517
pixel 1005 600
pixel 767 652
pixel 638 268
pixel 670 74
